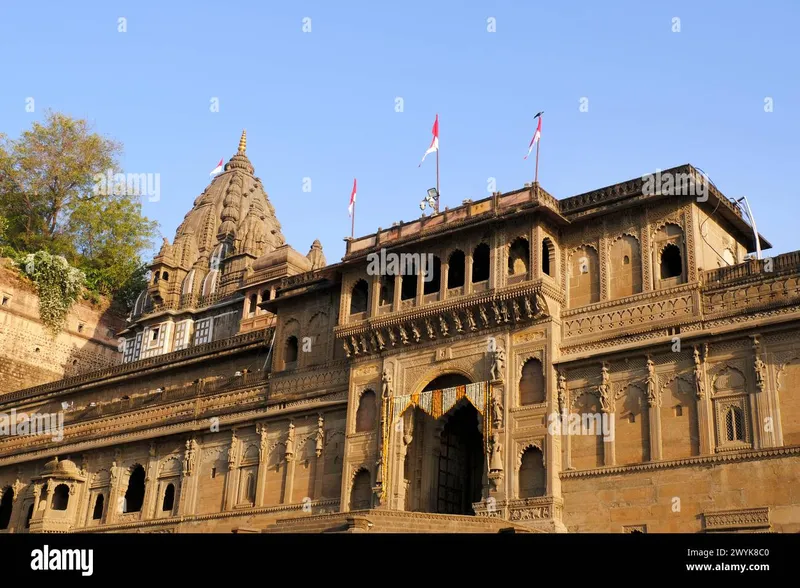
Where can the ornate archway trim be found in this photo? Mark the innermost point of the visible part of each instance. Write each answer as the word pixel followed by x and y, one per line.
pixel 439 402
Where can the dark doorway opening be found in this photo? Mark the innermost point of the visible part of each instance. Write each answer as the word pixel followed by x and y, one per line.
pixel 461 460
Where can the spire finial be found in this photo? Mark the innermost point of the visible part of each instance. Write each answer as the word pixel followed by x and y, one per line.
pixel 243 142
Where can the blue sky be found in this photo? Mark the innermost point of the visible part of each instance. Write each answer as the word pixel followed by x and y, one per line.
pixel 321 104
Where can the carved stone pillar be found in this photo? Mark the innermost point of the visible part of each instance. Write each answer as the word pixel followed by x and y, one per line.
pixel 319 456
pixel 113 508
pixel 704 415
pixel 761 399
pixel 189 477
pixel 288 486
pixel 232 478
pixel 150 484
pixel 398 283
pixel 468 273
pixel 263 456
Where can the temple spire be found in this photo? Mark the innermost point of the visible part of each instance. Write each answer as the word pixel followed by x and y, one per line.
pixel 243 142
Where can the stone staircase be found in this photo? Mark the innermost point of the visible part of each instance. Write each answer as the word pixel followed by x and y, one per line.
pixel 389 521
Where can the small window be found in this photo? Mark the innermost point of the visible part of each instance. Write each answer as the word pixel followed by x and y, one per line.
pixel 480 263
pixel 253 304
pixel 97 514
pixel 213 472
pixel 626 260
pixel 678 410
pixel 80 327
pixel 5 300
pixel 671 264
pixel 360 297
pixel 290 351
pixel 134 495
pixel 61 497
pixel 165 276
pixel 156 276
pixel 169 498
pixel 154 335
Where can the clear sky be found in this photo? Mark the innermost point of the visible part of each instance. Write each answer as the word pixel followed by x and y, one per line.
pixel 323 104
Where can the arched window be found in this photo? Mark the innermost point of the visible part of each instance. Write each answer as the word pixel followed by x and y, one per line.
pixel 366 413
pixel 519 257
pixel 156 277
pixel 61 497
pixel 165 276
pixel 290 350
pixel 361 492
pixel 531 385
pixel 625 267
pixel 266 295
pixel 169 498
pixel 134 495
pixel 97 513
pixel 250 488
pixel 531 474
pixel 548 256
pixel 455 269
pixel 432 276
pixel 480 263
pixel 253 304
pixel 360 297
pixel 6 504
pixel 671 263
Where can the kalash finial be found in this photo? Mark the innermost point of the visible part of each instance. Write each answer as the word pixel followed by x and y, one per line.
pixel 243 142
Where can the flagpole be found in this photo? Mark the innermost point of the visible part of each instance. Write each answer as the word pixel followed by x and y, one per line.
pixel 353 222
pixel 536 175
pixel 438 193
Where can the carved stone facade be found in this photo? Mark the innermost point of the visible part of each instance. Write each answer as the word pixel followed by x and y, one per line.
pixel 555 366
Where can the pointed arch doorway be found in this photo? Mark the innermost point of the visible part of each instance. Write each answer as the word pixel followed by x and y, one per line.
pixel 444 464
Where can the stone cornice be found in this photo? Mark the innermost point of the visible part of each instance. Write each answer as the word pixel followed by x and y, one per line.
pixel 716 459
pixel 621 303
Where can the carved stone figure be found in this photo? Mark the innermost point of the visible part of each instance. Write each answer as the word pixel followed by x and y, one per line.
pixel 528 308
pixel 386 379
pixel 498 319
pixel 380 340
pixel 504 312
pixel 392 338
pixel 457 321
pixel 484 318
pixel 364 345
pixel 403 335
pixel 497 411
pixel 562 392
pixel 699 383
pixel 429 328
pixel 415 332
pixel 471 321
pixel 320 437
pixel 652 390
pixel 498 364
pixel 443 326
pixel 515 309
pixel 760 369
pixel 233 450
pixel 496 461
pixel 355 345
pixel 189 457
pixel 604 390
pixel 346 348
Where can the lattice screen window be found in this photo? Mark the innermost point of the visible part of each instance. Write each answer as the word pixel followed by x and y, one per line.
pixel 137 347
pixel 130 344
pixel 182 335
pixel 202 332
pixel 733 423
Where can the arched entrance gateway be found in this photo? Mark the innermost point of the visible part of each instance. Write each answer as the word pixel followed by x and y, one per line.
pixel 443 468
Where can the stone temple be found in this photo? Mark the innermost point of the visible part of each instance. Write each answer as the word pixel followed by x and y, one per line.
pixel 617 361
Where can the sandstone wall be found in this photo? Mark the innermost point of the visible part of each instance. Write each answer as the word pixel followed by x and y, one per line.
pixel 29 356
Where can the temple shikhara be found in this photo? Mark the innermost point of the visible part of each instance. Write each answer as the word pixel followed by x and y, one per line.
pixel 617 361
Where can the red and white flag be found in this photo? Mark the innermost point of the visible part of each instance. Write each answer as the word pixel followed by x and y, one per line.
pixel 352 199
pixel 537 135
pixel 217 169
pixel 435 142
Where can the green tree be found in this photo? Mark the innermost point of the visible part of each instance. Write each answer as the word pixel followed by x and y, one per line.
pixel 51 201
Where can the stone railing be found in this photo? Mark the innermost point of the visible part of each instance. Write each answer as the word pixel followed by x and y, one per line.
pixel 264 335
pixel 752 268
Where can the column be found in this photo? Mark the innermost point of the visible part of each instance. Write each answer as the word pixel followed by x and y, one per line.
pixel 232 478
pixel 468 273
pixel 150 484
pixel 263 459
pixel 288 485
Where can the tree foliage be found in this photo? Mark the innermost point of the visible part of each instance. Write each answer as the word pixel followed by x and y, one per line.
pixel 57 284
pixel 49 201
